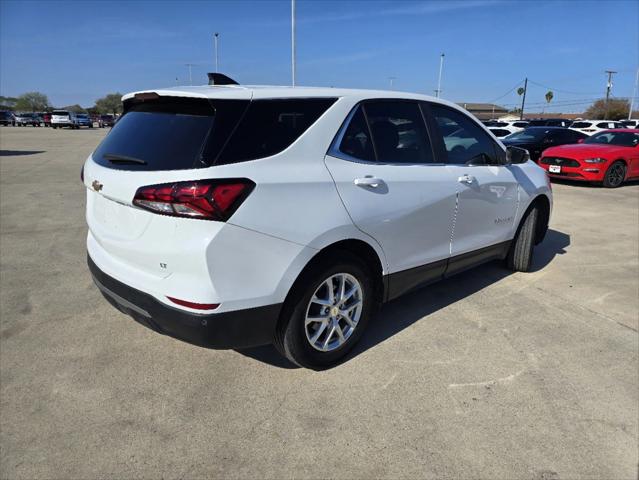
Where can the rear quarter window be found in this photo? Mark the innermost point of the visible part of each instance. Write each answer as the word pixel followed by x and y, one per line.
pixel 271 126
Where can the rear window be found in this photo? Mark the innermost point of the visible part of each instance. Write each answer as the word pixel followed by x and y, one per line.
pixel 60 112
pixel 500 132
pixel 173 133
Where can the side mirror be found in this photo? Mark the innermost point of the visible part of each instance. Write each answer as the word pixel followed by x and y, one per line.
pixel 581 140
pixel 516 155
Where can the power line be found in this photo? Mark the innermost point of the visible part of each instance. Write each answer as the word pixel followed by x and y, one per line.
pixel 509 91
pixel 561 91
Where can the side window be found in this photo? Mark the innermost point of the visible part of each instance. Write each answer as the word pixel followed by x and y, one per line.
pixel 270 126
pixel 399 132
pixel 464 140
pixel 356 141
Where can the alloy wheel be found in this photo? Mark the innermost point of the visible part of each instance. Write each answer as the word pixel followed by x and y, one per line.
pixel 333 312
pixel 616 174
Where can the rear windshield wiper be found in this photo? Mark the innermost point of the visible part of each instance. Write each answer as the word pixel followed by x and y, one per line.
pixel 123 159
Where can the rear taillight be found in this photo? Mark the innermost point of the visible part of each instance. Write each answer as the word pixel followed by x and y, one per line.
pixel 203 199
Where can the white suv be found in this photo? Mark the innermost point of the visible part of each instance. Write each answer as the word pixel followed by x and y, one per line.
pixel 590 127
pixel 64 118
pixel 231 216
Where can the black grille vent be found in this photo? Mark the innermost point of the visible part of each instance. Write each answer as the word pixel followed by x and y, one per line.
pixel 564 162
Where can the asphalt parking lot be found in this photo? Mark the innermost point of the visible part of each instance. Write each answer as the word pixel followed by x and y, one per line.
pixel 489 374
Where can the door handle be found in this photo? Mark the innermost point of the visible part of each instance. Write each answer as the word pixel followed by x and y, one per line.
pixel 368 182
pixel 467 179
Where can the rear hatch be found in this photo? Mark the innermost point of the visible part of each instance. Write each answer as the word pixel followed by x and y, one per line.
pixel 60 117
pixel 158 140
pixel 161 184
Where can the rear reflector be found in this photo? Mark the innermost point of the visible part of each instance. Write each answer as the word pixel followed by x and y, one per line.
pixel 203 199
pixel 197 306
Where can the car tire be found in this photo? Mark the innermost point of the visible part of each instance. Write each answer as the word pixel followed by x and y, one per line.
pixel 520 254
pixel 615 175
pixel 317 344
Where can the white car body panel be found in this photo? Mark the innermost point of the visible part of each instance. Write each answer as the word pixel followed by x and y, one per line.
pixel 304 201
pixel 597 126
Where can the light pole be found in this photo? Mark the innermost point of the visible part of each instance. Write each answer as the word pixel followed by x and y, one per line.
pixel 608 88
pixel 390 79
pixel 217 58
pixel 293 41
pixel 439 81
pixel 634 94
pixel 190 72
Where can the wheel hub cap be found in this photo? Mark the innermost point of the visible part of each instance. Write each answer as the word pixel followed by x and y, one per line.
pixel 333 312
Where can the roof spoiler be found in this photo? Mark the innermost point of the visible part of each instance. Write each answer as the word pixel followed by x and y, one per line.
pixel 220 79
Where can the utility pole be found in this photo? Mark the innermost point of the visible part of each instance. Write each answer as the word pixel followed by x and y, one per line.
pixel 217 59
pixel 608 88
pixel 634 94
pixel 523 100
pixel 190 72
pixel 438 92
pixel 293 41
pixel 391 81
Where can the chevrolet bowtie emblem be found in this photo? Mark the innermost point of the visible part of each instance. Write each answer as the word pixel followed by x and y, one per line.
pixel 97 186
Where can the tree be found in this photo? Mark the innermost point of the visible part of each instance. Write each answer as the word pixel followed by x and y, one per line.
pixel 617 109
pixel 7 103
pixel 110 103
pixel 549 96
pixel 32 102
pixel 75 109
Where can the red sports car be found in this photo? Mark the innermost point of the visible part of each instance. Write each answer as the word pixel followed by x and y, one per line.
pixel 609 157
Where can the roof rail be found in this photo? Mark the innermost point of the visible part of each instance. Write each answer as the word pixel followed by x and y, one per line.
pixel 220 79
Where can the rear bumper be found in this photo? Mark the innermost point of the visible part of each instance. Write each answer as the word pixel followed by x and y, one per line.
pixel 234 329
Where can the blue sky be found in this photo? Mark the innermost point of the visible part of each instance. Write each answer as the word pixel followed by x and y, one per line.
pixel 77 51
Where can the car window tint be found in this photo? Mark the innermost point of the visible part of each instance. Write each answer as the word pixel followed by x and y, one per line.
pixel 399 133
pixel 500 132
pixel 270 126
pixel 356 141
pixel 464 140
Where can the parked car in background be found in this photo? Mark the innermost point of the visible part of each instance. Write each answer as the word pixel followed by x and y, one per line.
pixel 630 123
pixel 550 122
pixel 512 125
pixel 25 119
pixel 591 127
pixel 500 132
pixel 83 120
pixel 250 255
pixel 609 157
pixel 46 118
pixel 7 118
pixel 537 139
pixel 63 118
pixel 106 121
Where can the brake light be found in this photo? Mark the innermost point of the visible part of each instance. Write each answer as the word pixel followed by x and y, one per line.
pixel 204 199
